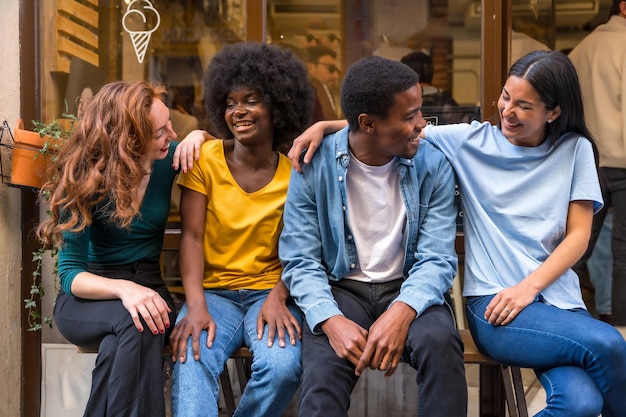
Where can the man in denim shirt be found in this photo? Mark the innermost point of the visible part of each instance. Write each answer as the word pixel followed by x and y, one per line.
pixel 368 250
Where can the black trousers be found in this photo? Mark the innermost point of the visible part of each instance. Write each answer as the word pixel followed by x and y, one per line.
pixel 127 380
pixel 433 347
pixel 613 184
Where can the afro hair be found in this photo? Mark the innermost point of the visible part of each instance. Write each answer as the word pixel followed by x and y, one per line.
pixel 276 73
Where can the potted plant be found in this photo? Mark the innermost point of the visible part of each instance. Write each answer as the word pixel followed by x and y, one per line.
pixel 53 135
pixel 27 169
pixel 34 150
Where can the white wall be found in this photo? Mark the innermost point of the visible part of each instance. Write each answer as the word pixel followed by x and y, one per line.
pixel 10 251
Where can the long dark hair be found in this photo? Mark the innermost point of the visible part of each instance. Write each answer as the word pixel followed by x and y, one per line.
pixel 554 77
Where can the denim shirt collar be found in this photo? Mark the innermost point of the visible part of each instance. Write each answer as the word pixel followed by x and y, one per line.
pixel 342 150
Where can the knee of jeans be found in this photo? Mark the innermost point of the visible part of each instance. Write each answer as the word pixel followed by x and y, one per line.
pixel 609 347
pixel 199 376
pixel 283 365
pixel 583 403
pixel 572 392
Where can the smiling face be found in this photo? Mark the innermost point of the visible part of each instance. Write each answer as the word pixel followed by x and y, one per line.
pixel 163 132
pixel 247 116
pixel 397 134
pixel 523 115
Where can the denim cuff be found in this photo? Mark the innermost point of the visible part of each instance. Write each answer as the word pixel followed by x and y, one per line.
pixel 320 313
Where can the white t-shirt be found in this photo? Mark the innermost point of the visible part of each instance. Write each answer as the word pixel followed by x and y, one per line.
pixel 515 201
pixel 377 219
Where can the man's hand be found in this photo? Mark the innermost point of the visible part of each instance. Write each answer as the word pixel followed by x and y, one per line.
pixel 347 338
pixel 386 340
pixel 191 325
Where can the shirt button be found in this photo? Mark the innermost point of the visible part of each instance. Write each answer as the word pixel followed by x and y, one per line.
pixel 352 266
pixel 340 178
pixel 343 208
pixel 349 237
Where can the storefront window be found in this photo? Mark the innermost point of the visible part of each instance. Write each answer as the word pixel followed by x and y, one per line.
pixel 444 40
pixel 89 42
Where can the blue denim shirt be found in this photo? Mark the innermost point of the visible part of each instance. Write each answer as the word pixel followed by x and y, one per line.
pixel 316 243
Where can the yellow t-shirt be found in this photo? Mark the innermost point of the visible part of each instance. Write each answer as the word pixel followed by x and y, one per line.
pixel 241 229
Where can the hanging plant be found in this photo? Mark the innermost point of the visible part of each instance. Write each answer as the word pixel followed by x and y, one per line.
pixel 37 290
pixel 55 135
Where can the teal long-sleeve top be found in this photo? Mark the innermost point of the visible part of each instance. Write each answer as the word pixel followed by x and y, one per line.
pixel 107 244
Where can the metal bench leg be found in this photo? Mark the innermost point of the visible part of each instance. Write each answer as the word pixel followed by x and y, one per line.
pixel 227 391
pixel 491 395
pixel 520 395
pixel 508 390
pixel 242 365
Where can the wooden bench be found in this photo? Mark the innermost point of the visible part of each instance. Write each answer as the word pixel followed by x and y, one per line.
pixel 499 385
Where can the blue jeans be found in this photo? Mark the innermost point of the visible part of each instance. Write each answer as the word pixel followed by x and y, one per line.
pixel 580 361
pixel 276 371
pixel 600 266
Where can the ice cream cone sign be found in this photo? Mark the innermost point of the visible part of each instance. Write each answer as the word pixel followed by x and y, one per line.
pixel 140 21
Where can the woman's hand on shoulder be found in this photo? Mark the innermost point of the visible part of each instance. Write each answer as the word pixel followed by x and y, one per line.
pixel 188 150
pixel 311 139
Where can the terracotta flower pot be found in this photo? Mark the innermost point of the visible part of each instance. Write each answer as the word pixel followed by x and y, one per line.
pixel 29 167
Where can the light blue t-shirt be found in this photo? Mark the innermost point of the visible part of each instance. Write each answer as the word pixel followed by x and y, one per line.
pixel 515 202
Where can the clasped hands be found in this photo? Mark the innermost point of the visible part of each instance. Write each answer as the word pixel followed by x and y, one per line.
pixel 379 348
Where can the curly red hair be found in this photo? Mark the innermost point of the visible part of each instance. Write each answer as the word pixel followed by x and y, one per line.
pixel 99 167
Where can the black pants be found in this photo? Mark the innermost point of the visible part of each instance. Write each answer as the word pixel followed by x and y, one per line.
pixel 433 347
pixel 127 380
pixel 613 184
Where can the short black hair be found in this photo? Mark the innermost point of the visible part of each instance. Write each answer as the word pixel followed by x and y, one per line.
pixel 314 53
pixel 422 64
pixel 370 86
pixel 276 73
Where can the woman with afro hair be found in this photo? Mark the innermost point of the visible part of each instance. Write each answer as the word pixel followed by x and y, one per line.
pixel 258 99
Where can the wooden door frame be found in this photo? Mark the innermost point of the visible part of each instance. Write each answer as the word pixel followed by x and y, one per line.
pixel 495 53
pixel 29 110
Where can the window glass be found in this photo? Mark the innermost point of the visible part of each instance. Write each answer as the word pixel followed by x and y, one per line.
pixel 554 24
pixel 443 36
pixel 86 43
